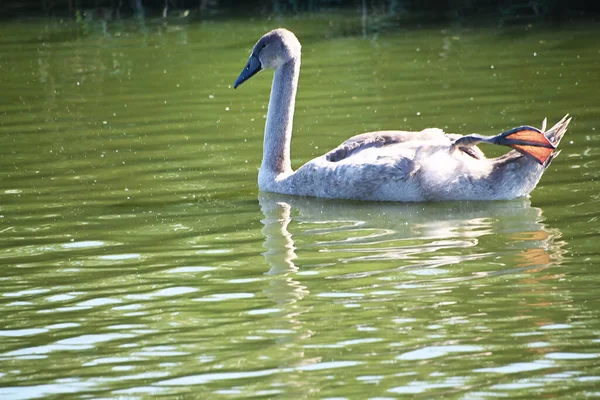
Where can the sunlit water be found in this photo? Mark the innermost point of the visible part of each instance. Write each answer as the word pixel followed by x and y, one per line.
pixel 138 258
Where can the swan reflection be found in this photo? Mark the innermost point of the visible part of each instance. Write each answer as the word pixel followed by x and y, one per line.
pixel 280 253
pixel 384 269
pixel 419 236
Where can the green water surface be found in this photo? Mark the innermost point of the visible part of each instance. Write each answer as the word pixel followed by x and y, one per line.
pixel 139 260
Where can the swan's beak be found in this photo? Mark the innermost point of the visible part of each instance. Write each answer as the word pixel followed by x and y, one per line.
pixel 249 71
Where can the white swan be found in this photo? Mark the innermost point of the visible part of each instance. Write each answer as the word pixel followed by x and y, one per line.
pixel 391 165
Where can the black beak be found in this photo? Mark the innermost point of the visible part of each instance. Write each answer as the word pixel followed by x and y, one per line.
pixel 249 71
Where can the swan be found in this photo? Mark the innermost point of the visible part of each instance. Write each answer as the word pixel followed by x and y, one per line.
pixel 429 165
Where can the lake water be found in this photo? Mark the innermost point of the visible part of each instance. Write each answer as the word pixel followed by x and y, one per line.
pixel 139 259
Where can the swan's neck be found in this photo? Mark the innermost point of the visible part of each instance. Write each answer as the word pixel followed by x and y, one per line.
pixel 280 118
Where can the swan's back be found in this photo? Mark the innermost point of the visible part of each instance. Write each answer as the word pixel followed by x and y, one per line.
pixel 399 140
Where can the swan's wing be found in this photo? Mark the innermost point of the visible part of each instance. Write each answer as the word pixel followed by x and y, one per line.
pixel 355 177
pixel 373 163
pixel 358 143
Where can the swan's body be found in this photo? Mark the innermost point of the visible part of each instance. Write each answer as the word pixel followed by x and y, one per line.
pixel 391 165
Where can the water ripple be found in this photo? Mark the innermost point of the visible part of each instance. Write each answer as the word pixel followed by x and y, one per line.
pixel 438 351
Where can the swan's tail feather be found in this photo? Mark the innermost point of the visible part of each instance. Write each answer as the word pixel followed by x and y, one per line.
pixel 544 122
pixel 556 133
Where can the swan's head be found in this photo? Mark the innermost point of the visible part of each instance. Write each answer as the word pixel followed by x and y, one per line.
pixel 274 49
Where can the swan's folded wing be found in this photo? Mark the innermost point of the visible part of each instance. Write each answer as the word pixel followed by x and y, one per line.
pixel 381 139
pixel 356 177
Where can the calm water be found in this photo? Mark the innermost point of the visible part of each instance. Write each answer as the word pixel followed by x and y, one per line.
pixel 138 258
